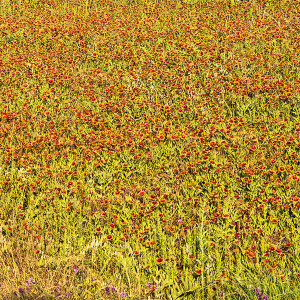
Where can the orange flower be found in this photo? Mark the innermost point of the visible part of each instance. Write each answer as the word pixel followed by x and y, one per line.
pixel 198 272
pixel 160 260
pixel 109 237
pixel 281 169
pixel 141 194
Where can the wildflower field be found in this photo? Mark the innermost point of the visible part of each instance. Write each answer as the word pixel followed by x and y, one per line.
pixel 149 149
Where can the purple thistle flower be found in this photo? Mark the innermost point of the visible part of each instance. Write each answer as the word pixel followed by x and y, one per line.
pixel 265 297
pixel 22 291
pixel 107 289
pixel 149 284
pixel 15 293
pixel 259 296
pixel 75 269
pixel 153 284
pixel 112 287
pixel 94 279
pixel 123 294
pixel 257 291
pixel 30 280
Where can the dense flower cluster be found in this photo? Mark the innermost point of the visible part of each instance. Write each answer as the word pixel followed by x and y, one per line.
pixel 149 140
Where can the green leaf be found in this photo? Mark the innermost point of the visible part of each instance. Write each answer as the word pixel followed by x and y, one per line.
pixel 187 293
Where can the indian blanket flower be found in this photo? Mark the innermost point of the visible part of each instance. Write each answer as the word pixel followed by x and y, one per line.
pixel 198 271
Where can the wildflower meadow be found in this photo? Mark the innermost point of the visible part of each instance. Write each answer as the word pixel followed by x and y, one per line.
pixel 149 149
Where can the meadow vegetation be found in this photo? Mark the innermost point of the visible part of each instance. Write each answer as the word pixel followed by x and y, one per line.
pixel 149 149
